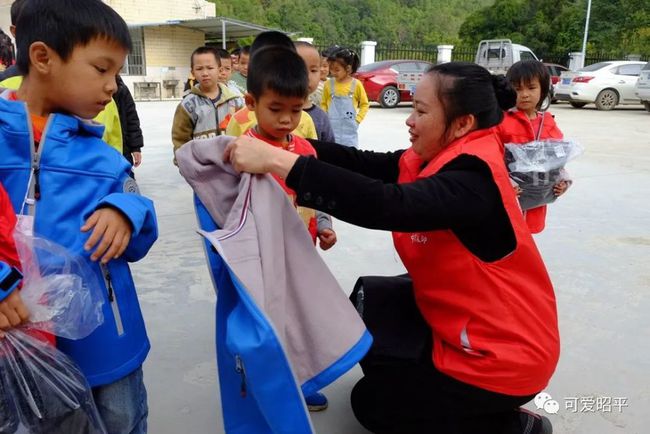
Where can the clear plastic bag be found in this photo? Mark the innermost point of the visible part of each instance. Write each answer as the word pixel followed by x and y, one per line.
pixel 60 291
pixel 41 389
pixel 537 167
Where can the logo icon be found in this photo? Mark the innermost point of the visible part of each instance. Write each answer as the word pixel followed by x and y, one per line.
pixel 544 401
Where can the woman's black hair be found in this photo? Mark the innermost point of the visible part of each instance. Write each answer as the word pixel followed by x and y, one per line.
pixel 524 71
pixel 465 88
pixel 278 69
pixel 64 25
pixel 345 57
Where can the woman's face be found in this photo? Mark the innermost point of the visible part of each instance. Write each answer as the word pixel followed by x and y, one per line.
pixel 427 122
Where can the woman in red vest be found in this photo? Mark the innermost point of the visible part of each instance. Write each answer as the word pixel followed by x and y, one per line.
pixel 478 278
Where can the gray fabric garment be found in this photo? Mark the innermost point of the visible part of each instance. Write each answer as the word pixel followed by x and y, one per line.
pixel 266 244
pixel 322 124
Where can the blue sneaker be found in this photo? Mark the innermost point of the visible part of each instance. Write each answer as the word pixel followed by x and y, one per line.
pixel 316 402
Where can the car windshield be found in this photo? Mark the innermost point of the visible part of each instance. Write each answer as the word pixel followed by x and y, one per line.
pixel 647 66
pixel 375 66
pixel 595 66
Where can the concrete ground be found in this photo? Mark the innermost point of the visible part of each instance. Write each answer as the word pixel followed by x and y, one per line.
pixel 596 247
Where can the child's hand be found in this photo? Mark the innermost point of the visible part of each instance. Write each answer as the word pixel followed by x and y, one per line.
pixel 12 312
pixel 114 230
pixel 327 239
pixel 517 190
pixel 560 188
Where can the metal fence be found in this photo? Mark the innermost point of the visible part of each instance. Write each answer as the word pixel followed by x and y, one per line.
pixel 463 54
pixel 467 54
pixel 387 52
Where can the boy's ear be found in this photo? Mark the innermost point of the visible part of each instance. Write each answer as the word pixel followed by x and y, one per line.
pixel 250 101
pixel 40 57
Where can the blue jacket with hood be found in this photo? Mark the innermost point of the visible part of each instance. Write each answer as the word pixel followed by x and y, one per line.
pixel 71 174
pixel 284 326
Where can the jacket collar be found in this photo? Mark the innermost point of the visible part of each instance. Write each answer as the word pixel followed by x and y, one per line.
pixel 61 125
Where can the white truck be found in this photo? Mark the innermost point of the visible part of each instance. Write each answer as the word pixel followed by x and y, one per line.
pixel 497 55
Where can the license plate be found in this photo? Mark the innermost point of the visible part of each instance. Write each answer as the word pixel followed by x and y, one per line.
pixel 566 81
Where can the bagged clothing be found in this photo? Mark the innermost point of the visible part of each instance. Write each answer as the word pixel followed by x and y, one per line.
pixel 537 166
pixel 41 389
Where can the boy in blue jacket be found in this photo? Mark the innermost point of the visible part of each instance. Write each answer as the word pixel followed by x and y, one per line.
pixel 68 186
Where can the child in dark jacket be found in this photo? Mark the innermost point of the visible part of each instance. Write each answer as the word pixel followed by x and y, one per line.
pixel 68 186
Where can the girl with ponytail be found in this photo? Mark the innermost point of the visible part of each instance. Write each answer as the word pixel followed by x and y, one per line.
pixel 478 281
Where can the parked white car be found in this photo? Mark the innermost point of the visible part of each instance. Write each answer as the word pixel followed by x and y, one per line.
pixel 642 88
pixel 607 84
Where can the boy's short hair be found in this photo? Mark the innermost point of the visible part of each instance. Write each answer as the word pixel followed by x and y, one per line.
pixel 205 50
pixel 278 69
pixel 222 54
pixel 272 38
pixel 65 24
pixel 246 49
pixel 16 7
pixel 235 51
pixel 305 44
pixel 527 70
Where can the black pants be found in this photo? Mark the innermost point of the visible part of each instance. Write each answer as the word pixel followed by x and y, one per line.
pixel 418 399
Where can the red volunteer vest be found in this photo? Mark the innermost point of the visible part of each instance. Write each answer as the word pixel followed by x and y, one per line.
pixel 299 146
pixel 517 128
pixel 494 324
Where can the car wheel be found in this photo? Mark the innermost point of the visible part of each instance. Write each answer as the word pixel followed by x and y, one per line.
pixel 607 99
pixel 578 104
pixel 646 104
pixel 389 97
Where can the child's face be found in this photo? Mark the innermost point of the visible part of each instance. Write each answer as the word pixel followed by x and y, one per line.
pixel 312 61
pixel 206 70
pixel 225 71
pixel 234 60
pixel 85 83
pixel 277 116
pixel 528 95
pixel 324 68
pixel 338 71
pixel 243 64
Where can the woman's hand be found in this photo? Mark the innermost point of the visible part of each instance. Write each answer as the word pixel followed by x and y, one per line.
pixel 247 154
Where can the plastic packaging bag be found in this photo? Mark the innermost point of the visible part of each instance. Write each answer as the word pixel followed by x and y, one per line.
pixel 537 167
pixel 41 389
pixel 60 291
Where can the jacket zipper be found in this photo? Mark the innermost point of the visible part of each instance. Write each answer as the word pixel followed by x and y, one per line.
pixel 106 274
pixel 239 368
pixel 34 187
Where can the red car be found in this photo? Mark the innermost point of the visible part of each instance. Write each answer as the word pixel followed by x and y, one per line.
pixel 380 80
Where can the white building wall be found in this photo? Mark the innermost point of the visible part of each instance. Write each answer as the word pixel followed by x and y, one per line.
pixel 150 11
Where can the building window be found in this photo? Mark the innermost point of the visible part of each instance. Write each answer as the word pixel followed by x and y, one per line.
pixel 134 64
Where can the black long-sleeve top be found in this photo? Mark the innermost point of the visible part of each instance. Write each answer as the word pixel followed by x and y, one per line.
pixel 361 187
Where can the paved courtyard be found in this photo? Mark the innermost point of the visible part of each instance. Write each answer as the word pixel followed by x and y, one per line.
pixel 596 247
